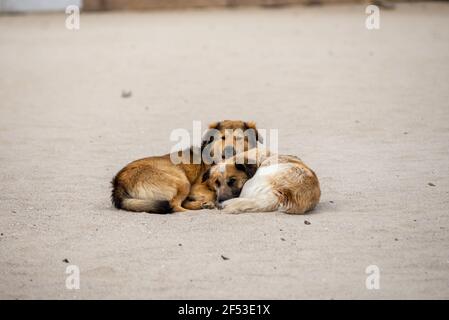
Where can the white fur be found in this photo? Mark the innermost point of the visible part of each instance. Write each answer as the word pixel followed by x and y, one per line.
pixel 221 167
pixel 272 169
pixel 237 205
pixel 257 193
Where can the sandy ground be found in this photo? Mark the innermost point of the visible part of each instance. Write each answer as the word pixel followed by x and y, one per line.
pixel 368 110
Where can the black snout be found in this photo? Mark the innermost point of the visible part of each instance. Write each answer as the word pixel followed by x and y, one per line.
pixel 229 152
pixel 235 193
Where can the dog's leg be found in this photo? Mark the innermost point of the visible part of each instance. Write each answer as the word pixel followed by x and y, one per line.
pixel 198 205
pixel 200 197
pixel 239 205
pixel 183 192
pixel 191 205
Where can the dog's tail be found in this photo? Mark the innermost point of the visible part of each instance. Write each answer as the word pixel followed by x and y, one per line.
pixel 147 205
pixel 122 200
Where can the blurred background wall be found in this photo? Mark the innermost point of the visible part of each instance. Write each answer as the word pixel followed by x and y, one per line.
pixel 179 4
pixel 36 5
pixel 167 4
pixel 94 5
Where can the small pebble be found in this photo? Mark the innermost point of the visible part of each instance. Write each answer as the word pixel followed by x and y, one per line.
pixel 306 222
pixel 224 258
pixel 126 93
pixel 65 260
pixel 431 184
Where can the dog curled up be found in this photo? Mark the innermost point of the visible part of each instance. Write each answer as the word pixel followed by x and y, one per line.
pixel 256 181
pixel 160 185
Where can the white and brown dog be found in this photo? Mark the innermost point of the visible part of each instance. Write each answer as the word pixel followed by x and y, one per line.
pixel 271 183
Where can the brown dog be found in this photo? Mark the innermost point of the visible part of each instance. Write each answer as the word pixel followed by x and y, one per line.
pixel 281 182
pixel 157 185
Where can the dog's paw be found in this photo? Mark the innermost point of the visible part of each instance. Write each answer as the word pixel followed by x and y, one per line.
pixel 208 205
pixel 219 205
pixel 228 208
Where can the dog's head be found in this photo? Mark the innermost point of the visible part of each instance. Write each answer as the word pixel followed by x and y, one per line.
pixel 225 139
pixel 227 179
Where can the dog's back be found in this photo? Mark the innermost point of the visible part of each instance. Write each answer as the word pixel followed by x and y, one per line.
pixel 147 185
pixel 296 186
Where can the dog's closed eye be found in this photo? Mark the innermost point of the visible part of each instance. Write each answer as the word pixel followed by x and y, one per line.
pixel 231 182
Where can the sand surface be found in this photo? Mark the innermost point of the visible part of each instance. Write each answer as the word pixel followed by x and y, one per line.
pixel 367 110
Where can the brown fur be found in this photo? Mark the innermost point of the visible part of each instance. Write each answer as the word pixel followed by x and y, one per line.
pixel 233 137
pixel 157 185
pixel 297 188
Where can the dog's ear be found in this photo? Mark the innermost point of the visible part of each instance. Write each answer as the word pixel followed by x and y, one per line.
pixel 206 175
pixel 215 125
pixel 253 134
pixel 210 134
pixel 207 139
pixel 249 169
